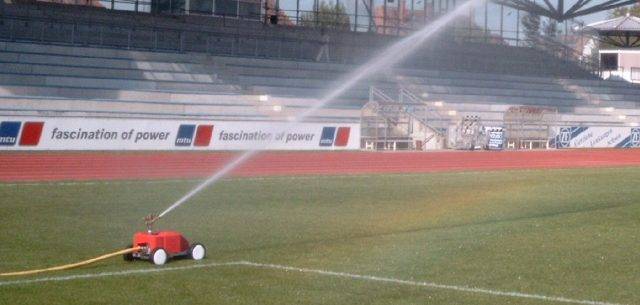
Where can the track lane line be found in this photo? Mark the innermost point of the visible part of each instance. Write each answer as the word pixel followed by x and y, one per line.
pixel 283 177
pixel 370 278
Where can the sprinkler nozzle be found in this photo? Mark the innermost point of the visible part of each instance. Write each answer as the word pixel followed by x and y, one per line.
pixel 149 220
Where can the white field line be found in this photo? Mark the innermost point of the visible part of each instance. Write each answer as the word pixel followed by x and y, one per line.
pixel 110 274
pixel 353 276
pixel 429 284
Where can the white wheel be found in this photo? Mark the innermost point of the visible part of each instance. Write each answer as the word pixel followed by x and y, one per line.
pixel 159 257
pixel 198 252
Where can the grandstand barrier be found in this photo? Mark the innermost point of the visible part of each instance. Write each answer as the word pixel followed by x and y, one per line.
pixel 42 133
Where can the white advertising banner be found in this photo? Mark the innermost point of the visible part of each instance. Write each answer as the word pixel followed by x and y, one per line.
pixel 38 133
pixel 596 137
pixel 496 138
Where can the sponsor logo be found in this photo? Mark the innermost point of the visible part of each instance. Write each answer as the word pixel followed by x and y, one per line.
pixel 342 138
pixel 31 133
pixel 327 136
pixel 564 137
pixel 203 135
pixel 186 132
pixel 332 136
pixel 9 133
pixel 30 136
pixel 635 137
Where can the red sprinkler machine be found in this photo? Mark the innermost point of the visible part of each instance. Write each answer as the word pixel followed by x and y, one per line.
pixel 160 246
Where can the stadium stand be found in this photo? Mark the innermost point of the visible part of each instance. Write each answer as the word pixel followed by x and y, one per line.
pixel 94 81
pixel 45 71
pixel 84 67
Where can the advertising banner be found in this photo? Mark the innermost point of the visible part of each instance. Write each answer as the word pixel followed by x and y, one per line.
pixel 596 137
pixel 38 133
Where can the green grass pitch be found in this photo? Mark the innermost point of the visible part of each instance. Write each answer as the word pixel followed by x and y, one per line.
pixel 557 233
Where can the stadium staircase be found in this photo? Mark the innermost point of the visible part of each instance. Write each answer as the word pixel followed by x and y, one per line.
pixel 403 119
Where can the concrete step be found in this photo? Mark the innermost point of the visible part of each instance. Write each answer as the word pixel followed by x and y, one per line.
pixel 353 97
pixel 600 110
pixel 62 70
pixel 520 85
pixel 162 97
pixel 321 86
pixel 93 114
pixel 78 51
pixel 531 80
pixel 602 119
pixel 114 106
pixel 105 62
pixel 100 83
pixel 159 96
pixel 459 98
pixel 284 64
pixel 429 89
pixel 288 72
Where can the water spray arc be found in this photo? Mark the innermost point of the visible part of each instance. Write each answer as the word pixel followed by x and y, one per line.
pixel 383 61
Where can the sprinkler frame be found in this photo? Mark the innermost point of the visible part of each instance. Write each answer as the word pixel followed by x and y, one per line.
pixel 158 247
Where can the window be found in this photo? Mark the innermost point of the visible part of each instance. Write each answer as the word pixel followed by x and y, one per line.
pixel 204 7
pixel 167 6
pixel 609 61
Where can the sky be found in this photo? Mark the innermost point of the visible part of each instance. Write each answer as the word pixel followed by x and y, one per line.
pixel 595 17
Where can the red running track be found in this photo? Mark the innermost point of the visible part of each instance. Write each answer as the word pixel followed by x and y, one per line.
pixel 79 166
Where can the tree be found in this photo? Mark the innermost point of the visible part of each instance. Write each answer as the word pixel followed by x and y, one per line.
pixel 468 31
pixel 551 28
pixel 623 11
pixel 531 28
pixel 328 16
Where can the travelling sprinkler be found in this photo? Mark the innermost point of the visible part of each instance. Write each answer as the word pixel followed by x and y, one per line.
pixel 160 246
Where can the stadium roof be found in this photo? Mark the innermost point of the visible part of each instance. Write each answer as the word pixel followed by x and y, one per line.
pixel 562 11
pixel 620 24
pixel 621 32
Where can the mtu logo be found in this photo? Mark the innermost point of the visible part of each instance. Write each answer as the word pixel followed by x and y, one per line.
pixel 186 131
pixel 331 137
pixel 30 136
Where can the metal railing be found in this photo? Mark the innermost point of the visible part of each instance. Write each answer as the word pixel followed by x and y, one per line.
pixel 361 20
pixel 377 94
pixel 424 113
pixel 227 41
pixel 387 22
